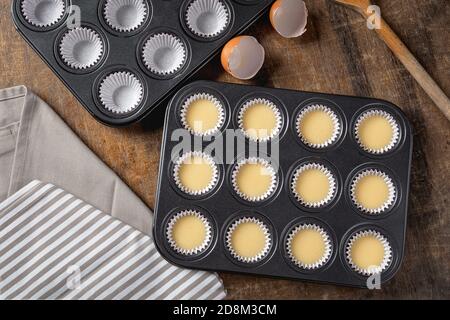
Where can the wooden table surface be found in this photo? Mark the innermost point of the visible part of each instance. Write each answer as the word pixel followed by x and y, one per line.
pixel 337 55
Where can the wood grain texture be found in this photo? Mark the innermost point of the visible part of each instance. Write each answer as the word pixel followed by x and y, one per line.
pixel 338 55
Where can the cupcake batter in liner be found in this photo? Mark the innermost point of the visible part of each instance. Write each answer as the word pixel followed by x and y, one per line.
pixel 81 48
pixel 251 130
pixel 207 18
pixel 43 13
pixel 389 192
pixel 190 158
pixel 254 164
pixel 121 92
pixel 197 114
pixel 376 147
pixel 327 247
pixel 316 167
pixel 380 241
pixel 314 135
pixel 184 246
pixel 259 228
pixel 125 15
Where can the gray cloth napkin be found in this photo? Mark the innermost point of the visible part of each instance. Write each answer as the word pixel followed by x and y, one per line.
pixel 35 144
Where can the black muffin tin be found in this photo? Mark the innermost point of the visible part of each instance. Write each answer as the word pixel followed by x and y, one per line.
pixel 341 218
pixel 122 50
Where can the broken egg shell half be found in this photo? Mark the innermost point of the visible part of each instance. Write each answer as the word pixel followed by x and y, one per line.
pixel 289 17
pixel 243 57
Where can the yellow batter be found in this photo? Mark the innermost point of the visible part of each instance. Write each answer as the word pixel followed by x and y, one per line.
pixel 312 185
pixel 375 132
pixel 367 251
pixel 308 246
pixel 248 240
pixel 195 173
pixel 317 127
pixel 202 115
pixel 372 192
pixel 253 179
pixel 259 121
pixel 189 232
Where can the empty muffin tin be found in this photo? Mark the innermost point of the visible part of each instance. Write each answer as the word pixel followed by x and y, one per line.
pixel 339 218
pixel 151 46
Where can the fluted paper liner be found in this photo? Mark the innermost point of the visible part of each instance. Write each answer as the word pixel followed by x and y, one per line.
pixel 268 240
pixel 40 15
pixel 393 123
pixel 164 54
pixel 208 234
pixel 115 82
pixel 206 160
pixel 276 111
pixel 331 183
pixel 374 269
pixel 207 18
pixel 113 8
pixel 327 251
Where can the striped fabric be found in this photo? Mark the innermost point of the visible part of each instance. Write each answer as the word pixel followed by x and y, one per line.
pixel 55 246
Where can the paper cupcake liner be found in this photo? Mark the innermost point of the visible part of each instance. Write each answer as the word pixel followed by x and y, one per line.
pixel 273 107
pixel 375 269
pixel 334 117
pixel 327 252
pixel 197 250
pixel 69 48
pixel 202 96
pixel 43 13
pixel 331 181
pixel 389 183
pixel 207 18
pixel 113 8
pixel 207 159
pixel 394 125
pixel 261 255
pixel 164 54
pixel 269 169
pixel 121 92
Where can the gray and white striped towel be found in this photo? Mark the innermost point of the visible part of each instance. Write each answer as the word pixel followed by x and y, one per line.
pixel 55 246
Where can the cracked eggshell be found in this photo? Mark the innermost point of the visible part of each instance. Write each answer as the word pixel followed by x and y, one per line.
pixel 289 17
pixel 243 57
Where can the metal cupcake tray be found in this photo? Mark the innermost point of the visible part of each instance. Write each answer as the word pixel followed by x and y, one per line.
pixel 281 213
pixel 127 57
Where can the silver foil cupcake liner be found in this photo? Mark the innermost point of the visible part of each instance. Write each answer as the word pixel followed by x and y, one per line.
pixel 277 114
pixel 332 183
pixel 206 159
pixel 391 191
pixel 125 15
pixel 207 18
pixel 43 13
pixel 334 118
pixel 387 258
pixel 197 97
pixel 197 250
pixel 327 247
pixel 269 169
pixel 392 122
pixel 262 254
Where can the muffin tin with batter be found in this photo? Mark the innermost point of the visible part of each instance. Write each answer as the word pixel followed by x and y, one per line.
pixel 331 208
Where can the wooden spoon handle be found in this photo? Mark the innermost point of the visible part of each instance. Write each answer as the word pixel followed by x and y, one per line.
pixel 415 68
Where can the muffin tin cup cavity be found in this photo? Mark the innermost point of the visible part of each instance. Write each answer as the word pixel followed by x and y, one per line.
pixel 207 19
pixel 248 240
pixel 368 252
pixel 318 126
pixel 81 48
pixel 377 132
pixel 373 191
pixel 125 16
pixel 260 120
pixel 254 179
pixel 121 92
pixel 193 167
pixel 43 14
pixel 313 185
